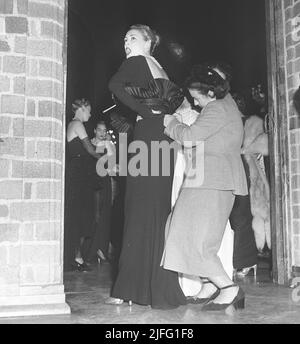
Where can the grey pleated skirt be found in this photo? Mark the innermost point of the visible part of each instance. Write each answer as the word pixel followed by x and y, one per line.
pixel 194 232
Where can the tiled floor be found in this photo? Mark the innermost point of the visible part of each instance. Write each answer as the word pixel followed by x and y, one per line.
pixel 86 292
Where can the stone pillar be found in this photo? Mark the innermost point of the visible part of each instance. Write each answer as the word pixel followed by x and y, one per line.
pixel 285 76
pixel 291 13
pixel 32 127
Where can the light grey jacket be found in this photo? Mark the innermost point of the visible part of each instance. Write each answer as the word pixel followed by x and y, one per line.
pixel 219 165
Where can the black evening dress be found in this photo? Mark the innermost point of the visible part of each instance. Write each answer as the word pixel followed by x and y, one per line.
pixel 244 249
pixel 79 204
pixel 102 215
pixel 140 277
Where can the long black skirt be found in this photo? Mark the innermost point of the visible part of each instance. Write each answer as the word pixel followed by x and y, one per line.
pixel 140 278
pixel 79 205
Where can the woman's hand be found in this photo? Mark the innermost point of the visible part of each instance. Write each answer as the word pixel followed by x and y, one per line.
pixel 168 119
pixel 108 137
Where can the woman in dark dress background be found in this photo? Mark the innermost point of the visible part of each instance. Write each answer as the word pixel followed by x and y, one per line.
pixel 80 172
pixel 102 197
pixel 148 198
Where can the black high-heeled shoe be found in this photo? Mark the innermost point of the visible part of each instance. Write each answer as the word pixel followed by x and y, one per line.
pixel 81 267
pixel 238 302
pixel 201 300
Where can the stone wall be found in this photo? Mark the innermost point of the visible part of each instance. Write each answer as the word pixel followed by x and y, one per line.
pixel 32 140
pixel 291 15
pixel 31 155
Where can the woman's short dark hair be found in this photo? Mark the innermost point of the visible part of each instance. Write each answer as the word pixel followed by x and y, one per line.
pixel 100 122
pixel 148 34
pixel 79 103
pixel 205 79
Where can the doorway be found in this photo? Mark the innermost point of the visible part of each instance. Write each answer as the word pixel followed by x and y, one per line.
pixel 222 30
pixel 278 146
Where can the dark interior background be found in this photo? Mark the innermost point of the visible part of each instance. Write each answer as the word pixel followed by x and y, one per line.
pixel 229 30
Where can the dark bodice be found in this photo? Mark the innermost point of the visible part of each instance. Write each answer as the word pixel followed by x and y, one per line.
pixel 135 87
pixel 76 149
pixel 82 165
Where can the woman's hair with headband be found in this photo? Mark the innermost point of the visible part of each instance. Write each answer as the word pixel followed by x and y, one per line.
pixel 223 67
pixel 205 79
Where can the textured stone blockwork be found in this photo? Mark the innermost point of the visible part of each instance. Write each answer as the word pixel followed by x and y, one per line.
pixel 291 19
pixel 31 155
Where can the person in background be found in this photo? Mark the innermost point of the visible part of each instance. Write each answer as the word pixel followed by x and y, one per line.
pixel 245 254
pixel 81 161
pixel 255 153
pixel 102 196
pixel 122 122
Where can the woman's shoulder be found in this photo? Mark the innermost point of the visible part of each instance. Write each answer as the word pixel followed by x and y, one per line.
pixel 136 58
pixel 254 124
pixel 133 60
pixel 73 125
pixel 133 64
pixel 76 128
pixel 132 67
pixel 224 105
pixel 254 119
pixel 215 105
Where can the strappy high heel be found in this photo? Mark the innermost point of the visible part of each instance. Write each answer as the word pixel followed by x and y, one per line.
pixel 245 271
pixel 238 302
pixel 116 301
pixel 202 300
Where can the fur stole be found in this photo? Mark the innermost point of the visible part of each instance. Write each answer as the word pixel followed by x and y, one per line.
pixel 255 146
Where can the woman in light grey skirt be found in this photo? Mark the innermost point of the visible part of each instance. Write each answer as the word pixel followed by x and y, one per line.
pixel 214 175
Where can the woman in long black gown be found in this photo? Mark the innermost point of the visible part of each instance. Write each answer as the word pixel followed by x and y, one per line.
pixel 80 172
pixel 148 198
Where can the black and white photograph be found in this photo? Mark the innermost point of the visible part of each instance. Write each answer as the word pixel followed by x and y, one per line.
pixel 149 164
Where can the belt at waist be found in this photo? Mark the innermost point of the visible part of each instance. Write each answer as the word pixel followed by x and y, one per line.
pixel 158 105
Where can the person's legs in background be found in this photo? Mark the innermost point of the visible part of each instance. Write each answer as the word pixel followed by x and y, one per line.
pixel 102 222
pixel 245 254
pixel 245 251
pixel 104 219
